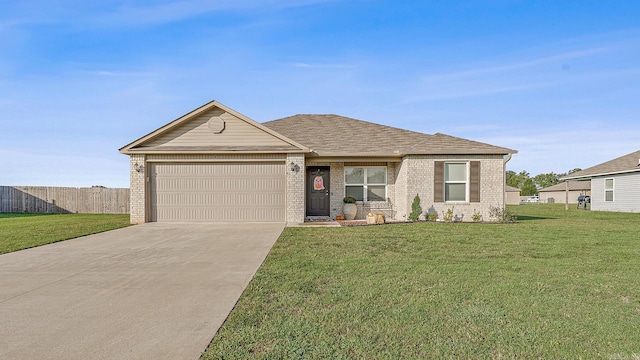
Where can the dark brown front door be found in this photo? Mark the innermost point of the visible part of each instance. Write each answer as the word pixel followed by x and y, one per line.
pixel 318 191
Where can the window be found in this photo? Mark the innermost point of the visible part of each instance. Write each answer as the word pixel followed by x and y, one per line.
pixel 366 183
pixel 456 181
pixel 608 190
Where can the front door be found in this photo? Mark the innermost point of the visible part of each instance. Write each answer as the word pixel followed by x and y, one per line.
pixel 318 190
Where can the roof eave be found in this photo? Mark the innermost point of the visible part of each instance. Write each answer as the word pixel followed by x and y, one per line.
pixel 193 152
pixel 401 153
pixel 590 176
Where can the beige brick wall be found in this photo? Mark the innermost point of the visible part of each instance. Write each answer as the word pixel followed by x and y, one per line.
pixel 295 189
pixel 416 176
pixel 137 192
pixel 337 189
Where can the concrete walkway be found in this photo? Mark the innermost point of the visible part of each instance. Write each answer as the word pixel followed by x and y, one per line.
pixel 152 291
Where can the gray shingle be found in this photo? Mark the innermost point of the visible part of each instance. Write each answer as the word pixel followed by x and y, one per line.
pixel 623 164
pixel 334 135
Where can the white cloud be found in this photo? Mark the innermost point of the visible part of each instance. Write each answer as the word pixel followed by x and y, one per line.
pixel 564 147
pixel 480 91
pixel 123 14
pixel 180 10
pixel 323 66
pixel 507 67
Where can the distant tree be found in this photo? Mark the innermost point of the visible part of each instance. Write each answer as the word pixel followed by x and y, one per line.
pixel 511 179
pixel 545 180
pixel 528 188
pixel 517 180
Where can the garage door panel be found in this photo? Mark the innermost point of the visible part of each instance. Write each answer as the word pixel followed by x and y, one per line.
pixel 205 214
pixel 218 192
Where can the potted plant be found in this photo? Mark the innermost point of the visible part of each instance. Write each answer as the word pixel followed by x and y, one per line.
pixel 349 209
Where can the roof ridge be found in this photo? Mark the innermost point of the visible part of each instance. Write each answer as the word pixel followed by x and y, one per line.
pixel 352 119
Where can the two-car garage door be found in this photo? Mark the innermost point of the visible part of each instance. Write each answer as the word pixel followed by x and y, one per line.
pixel 217 192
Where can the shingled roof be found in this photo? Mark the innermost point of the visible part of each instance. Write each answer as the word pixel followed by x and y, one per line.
pixel 624 164
pixel 334 135
pixel 573 186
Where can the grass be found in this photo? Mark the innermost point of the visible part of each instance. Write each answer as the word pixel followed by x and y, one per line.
pixel 558 284
pixel 21 230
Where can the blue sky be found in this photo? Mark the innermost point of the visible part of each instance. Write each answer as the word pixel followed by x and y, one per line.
pixel 557 80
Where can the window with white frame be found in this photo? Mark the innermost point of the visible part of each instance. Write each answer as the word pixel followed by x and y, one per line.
pixel 456 181
pixel 366 183
pixel 608 190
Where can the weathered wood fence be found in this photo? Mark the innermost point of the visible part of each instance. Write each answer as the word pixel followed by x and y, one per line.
pixel 41 199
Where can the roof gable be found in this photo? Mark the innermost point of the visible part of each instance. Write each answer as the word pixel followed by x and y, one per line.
pixel 625 164
pixel 334 135
pixel 213 128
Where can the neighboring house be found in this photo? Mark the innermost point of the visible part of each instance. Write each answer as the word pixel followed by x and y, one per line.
pixel 215 164
pixel 512 195
pixel 558 192
pixel 615 184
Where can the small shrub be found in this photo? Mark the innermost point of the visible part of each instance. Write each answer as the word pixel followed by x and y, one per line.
pixel 476 217
pixel 432 216
pixel 448 215
pixel 416 209
pixel 502 215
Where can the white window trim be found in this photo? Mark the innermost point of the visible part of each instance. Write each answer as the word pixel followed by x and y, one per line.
pixel 613 191
pixel 466 182
pixel 365 184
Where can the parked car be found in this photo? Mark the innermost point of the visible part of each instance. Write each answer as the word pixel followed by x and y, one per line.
pixel 533 199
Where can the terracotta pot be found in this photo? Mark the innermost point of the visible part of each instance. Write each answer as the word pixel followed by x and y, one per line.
pixel 349 211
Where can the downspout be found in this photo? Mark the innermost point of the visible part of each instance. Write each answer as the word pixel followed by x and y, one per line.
pixel 504 183
pixel 566 195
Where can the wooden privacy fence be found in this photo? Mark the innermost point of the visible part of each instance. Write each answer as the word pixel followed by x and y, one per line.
pixel 41 199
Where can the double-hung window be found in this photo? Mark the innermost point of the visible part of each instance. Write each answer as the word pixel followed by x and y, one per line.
pixel 608 189
pixel 366 183
pixel 456 181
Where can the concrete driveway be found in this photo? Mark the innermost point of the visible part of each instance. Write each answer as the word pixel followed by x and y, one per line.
pixel 152 291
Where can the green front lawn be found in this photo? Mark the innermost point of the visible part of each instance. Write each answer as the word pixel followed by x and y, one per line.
pixel 20 231
pixel 556 285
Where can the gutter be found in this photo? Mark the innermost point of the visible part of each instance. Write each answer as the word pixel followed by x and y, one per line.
pixel 504 183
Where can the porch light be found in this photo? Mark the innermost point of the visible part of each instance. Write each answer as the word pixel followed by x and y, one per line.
pixel 294 167
pixel 138 168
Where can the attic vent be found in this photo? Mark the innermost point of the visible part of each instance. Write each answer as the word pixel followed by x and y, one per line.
pixel 216 124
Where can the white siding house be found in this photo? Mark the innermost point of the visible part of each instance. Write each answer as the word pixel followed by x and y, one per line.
pixel 615 184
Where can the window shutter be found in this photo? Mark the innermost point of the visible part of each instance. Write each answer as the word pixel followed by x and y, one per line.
pixel 438 182
pixel 474 181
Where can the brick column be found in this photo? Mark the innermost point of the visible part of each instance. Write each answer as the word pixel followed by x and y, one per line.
pixel 295 189
pixel 137 189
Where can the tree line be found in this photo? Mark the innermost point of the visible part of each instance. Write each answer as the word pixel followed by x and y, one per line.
pixel 530 185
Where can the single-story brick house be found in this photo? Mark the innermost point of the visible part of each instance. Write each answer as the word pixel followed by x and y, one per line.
pixel 615 184
pixel 512 195
pixel 557 194
pixel 215 164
